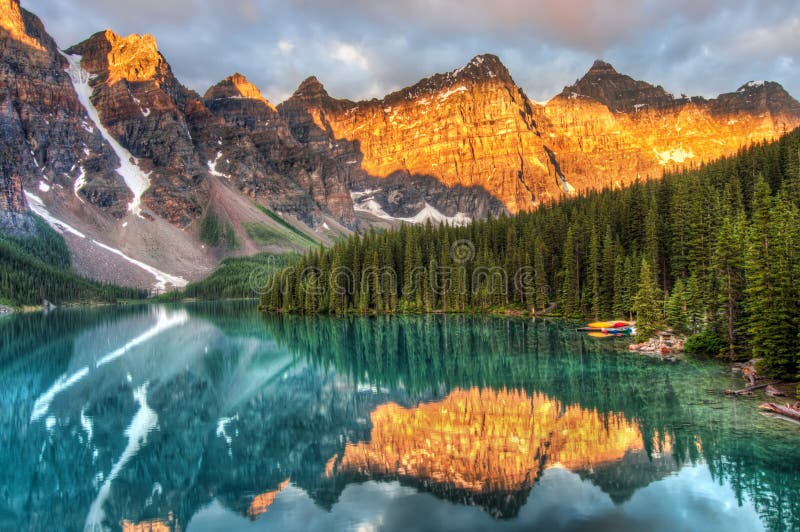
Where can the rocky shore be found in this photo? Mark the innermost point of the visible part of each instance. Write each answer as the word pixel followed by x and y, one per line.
pixel 665 344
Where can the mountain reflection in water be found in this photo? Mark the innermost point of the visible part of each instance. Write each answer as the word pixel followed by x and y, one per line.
pixel 208 417
pixel 488 443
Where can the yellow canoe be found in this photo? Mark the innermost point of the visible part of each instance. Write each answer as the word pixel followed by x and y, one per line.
pixel 610 324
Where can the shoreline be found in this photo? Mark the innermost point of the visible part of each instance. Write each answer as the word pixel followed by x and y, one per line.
pixel 510 313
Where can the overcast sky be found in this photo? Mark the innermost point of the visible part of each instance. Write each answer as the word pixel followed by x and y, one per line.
pixel 367 48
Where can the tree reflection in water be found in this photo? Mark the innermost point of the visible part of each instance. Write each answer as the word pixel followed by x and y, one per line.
pixel 481 412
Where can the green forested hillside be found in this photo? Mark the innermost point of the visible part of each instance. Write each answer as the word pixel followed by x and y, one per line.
pixel 713 250
pixel 39 267
pixel 236 278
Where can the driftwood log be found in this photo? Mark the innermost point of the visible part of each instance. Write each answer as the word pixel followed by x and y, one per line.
pixel 749 389
pixel 775 392
pixel 792 412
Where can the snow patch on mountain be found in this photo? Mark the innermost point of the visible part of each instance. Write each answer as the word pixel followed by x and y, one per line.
pixel 447 94
pixel 212 167
pixel 752 85
pixel 566 186
pixel 144 110
pixel 163 280
pixel 39 209
pixel 80 182
pixel 136 180
pixel 364 201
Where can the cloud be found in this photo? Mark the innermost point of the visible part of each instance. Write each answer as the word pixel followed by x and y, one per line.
pixel 559 501
pixel 781 38
pixel 365 48
pixel 350 55
pixel 286 47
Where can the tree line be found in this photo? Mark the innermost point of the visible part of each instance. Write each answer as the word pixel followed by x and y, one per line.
pixel 236 278
pixel 40 267
pixel 711 251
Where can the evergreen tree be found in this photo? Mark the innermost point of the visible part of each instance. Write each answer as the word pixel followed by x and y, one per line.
pixel 570 276
pixel 594 272
pixel 771 305
pixel 607 276
pixel 647 303
pixel 729 271
pixel 541 285
pixel 676 308
pixel 695 305
pixel 620 303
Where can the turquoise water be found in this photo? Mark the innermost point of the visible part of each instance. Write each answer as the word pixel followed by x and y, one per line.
pixel 209 417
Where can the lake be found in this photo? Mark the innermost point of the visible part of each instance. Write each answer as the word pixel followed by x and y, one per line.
pixel 209 417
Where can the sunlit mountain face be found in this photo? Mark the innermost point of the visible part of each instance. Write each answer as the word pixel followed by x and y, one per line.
pixel 474 126
pixel 485 441
pixel 195 418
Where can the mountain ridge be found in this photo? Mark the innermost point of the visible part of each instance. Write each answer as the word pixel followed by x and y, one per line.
pixel 452 147
pixel 236 86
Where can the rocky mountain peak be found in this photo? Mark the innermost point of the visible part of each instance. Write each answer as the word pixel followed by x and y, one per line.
pixel 12 23
pixel 480 70
pixel 758 97
pixel 600 67
pixel 236 86
pixel 132 58
pixel 310 89
pixel 483 67
pixel 619 92
pixel 753 87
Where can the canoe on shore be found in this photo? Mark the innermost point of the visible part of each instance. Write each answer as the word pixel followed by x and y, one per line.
pixel 610 324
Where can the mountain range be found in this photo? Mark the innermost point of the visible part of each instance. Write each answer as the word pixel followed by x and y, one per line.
pixel 152 183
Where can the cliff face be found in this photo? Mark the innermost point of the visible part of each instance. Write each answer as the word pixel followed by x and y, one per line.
pixel 474 127
pixel 12 24
pixel 120 157
pixel 180 140
pixel 12 200
pixel 469 128
pixel 14 217
pixel 141 104
pixel 237 87
pixel 621 93
pixel 47 135
pixel 13 207
pixel 615 130
pixel 269 162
